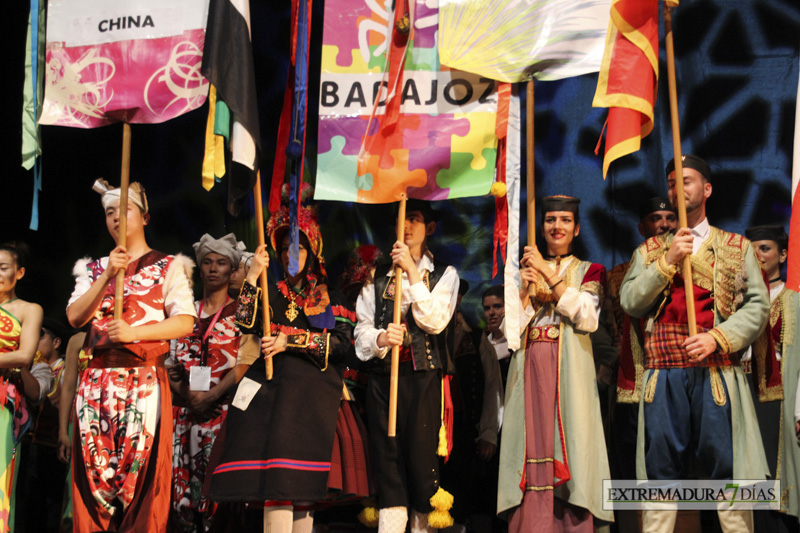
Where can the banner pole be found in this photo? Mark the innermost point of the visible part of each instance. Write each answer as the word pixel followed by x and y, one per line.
pixel 676 147
pixel 263 279
pixel 530 185
pixel 122 237
pixel 398 300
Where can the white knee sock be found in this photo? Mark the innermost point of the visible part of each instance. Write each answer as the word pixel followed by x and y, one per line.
pixel 736 521
pixel 659 521
pixel 278 519
pixel 392 520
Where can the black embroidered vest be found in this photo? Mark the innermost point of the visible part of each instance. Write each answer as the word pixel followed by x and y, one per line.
pixel 428 352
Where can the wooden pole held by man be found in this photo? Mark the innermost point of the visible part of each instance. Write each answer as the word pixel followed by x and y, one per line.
pixel 122 240
pixel 676 146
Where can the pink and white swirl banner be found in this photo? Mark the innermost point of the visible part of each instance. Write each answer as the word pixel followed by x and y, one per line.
pixel 121 60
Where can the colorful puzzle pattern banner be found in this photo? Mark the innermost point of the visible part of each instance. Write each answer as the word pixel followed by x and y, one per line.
pixel 444 144
pixel 121 60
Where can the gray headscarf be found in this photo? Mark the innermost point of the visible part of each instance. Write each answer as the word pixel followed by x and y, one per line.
pixel 226 246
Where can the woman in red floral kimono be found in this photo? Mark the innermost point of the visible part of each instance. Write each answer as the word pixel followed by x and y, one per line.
pixel 122 462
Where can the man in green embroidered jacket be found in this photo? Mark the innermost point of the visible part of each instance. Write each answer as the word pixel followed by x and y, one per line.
pixel 694 390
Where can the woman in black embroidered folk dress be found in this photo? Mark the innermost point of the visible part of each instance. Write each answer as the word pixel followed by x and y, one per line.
pixel 279 442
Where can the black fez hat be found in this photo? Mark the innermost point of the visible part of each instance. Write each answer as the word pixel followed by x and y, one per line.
pixel 560 203
pixel 651 205
pixel 692 161
pixel 768 232
pixel 424 207
pixel 57 329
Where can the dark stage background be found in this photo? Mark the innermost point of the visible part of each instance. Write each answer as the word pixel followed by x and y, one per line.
pixel 738 73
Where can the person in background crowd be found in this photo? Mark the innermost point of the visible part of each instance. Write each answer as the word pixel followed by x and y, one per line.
pixel 200 382
pixel 42 475
pixel 477 394
pixel 692 379
pixel 773 379
pixel 123 450
pixel 494 311
pixel 20 330
pixel 552 457
pixel 75 362
pixel 656 217
pixel 407 466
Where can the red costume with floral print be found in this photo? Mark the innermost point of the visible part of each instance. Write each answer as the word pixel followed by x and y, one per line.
pixel 124 420
pixel 194 438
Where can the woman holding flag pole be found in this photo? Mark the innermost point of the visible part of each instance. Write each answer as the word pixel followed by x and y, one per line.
pixel 280 432
pixel 550 474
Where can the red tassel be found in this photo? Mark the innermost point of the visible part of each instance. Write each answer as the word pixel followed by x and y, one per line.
pixel 448 415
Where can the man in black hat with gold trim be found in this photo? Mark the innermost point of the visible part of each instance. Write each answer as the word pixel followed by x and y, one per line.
pixel 694 391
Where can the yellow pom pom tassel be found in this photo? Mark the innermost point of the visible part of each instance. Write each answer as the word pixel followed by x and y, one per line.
pixel 442 449
pixel 369 514
pixel 442 500
pixel 440 519
pixel 498 189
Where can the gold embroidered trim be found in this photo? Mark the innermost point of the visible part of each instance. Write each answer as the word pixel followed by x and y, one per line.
pixel 650 389
pixel 544 295
pixel 390 289
pixel 760 353
pixel 722 339
pixel 327 350
pixel 637 354
pixel 717 389
pixel 775 309
pixel 655 247
pixel 730 273
pixel 299 340
pixel 539 488
pixel 614 279
pixel 787 319
pixel 542 460
pixel 785 498
pixel 257 299
pixel 666 270
pixel 594 287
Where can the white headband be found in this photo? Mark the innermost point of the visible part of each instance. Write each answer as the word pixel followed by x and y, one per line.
pixel 110 194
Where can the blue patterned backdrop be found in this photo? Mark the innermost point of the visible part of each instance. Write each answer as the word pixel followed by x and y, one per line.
pixel 737 64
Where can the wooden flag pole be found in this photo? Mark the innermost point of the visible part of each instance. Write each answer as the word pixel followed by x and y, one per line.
pixel 398 300
pixel 676 146
pixel 530 186
pixel 122 236
pixel 263 280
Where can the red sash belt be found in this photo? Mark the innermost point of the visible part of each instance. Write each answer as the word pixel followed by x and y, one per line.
pixel 664 350
pixel 116 358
